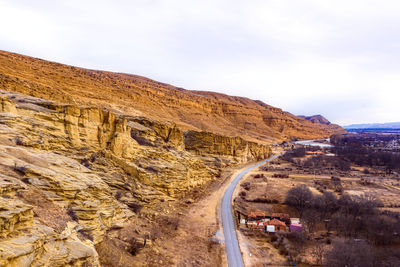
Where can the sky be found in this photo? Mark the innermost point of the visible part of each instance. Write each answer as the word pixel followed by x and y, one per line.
pixel 338 58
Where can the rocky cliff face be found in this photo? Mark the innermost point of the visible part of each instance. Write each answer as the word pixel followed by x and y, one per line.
pixel 69 174
pixel 130 94
pixel 236 148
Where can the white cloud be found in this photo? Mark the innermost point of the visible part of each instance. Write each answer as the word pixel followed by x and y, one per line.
pixel 334 57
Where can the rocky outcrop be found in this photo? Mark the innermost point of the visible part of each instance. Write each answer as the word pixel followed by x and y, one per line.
pixel 236 147
pixel 26 241
pixel 153 133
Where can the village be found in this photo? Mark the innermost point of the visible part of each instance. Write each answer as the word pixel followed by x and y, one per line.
pixel 263 222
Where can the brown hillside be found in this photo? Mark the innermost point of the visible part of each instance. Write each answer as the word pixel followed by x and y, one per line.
pixel 136 95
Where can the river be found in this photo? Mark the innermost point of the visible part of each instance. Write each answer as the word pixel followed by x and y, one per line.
pixel 313 143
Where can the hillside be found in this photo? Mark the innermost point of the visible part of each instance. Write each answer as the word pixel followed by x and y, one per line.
pixel 140 96
pixel 316 119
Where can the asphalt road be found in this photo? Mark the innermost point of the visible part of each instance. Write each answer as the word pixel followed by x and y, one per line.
pixel 228 224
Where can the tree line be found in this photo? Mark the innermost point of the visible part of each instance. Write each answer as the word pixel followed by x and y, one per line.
pixel 362 149
pixel 351 217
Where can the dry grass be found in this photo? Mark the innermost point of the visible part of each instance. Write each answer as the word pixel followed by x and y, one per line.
pixel 112 253
pixel 46 211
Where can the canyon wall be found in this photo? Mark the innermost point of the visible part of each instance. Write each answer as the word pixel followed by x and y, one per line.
pixel 70 174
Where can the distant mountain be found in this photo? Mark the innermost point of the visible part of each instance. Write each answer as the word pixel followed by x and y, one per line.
pixel 388 125
pixel 316 119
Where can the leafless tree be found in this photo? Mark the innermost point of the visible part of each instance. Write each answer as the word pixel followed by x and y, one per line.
pixel 299 197
pixel 318 252
pixel 311 218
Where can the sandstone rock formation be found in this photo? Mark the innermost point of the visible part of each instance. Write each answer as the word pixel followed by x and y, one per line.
pixel 139 96
pixel 69 174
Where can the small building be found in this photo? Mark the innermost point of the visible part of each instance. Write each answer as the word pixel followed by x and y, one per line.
pixel 296 227
pixel 282 217
pixel 294 220
pixel 256 215
pixel 242 224
pixel 279 225
pixel 270 228
pixel 265 219
pixel 255 226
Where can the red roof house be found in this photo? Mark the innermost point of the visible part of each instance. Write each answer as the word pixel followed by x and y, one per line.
pixel 279 226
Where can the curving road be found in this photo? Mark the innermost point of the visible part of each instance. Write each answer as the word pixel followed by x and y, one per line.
pixel 228 224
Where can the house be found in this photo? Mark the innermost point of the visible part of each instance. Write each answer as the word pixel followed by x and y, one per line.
pixel 296 227
pixel 256 226
pixel 252 224
pixel 256 215
pixel 282 217
pixel 278 225
pixel 294 220
pixel 256 219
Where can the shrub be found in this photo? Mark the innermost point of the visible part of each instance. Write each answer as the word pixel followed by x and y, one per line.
pixel 72 214
pixel 20 169
pixel 246 186
pixel 274 238
pixel 135 207
pixel 86 233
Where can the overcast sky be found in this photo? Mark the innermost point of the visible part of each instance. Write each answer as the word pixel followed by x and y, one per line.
pixel 338 58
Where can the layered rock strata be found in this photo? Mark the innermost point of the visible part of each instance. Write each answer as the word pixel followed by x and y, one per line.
pixel 139 96
pixel 70 174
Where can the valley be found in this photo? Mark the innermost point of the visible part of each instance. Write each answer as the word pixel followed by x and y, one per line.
pixel 199 134
pixel 109 169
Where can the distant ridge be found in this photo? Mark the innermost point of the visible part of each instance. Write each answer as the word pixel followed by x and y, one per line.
pixel 388 125
pixel 316 119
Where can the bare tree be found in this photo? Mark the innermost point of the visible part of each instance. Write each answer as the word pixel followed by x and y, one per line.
pixel 299 197
pixel 318 252
pixel 311 218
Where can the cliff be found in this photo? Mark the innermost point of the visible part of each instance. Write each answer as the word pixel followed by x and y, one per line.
pixel 70 174
pixel 135 95
pixel 208 143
